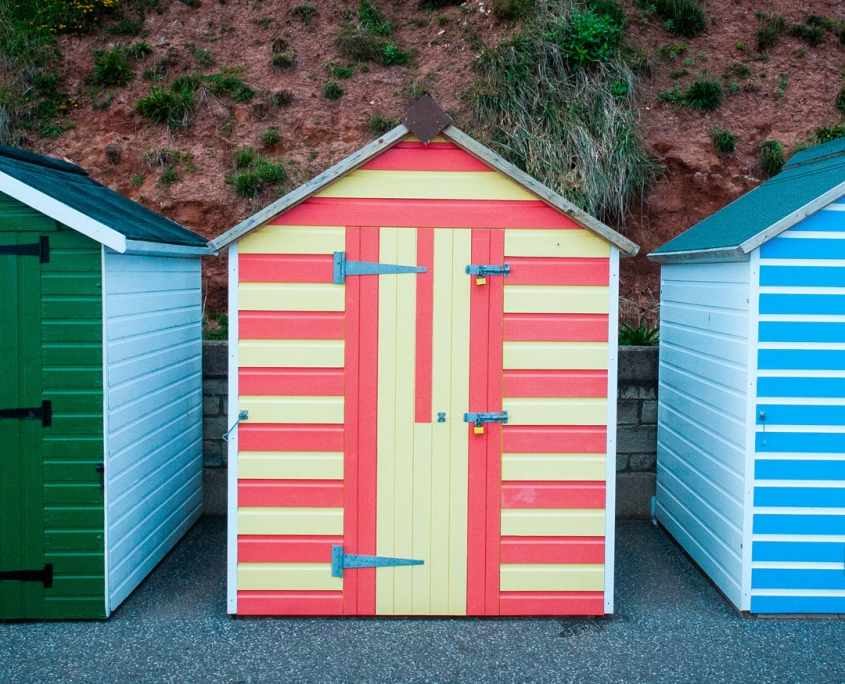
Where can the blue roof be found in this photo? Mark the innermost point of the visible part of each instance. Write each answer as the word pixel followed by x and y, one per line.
pixel 805 177
pixel 70 185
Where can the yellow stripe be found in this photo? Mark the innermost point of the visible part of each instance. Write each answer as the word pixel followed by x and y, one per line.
pixel 292 409
pixel 552 577
pixel 291 353
pixel 555 299
pixel 547 411
pixel 290 465
pixel 282 576
pixel 553 522
pixel 291 297
pixel 555 355
pixel 448 185
pixel 290 521
pixel 294 240
pixel 554 243
pixel 553 467
pixel 422 532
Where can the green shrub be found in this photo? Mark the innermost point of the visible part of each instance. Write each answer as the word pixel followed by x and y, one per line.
pixel 112 68
pixel 228 84
pixel 644 335
pixel 247 185
pixel 271 136
pixel 824 134
pixel 245 157
pixel 704 94
pixel 588 38
pixel 282 60
pixel 723 140
pixel 173 108
pixel 203 57
pixel 813 35
pixel 393 54
pixel 608 9
pixel 138 50
pixel 771 157
pixel 168 177
pixel 382 124
pixel 269 172
pixel 332 90
pixel 512 10
pixel 681 17
pixel 371 19
pixel 360 46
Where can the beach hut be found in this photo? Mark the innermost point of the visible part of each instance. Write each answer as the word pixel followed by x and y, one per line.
pixel 422 345
pixel 100 389
pixel 751 422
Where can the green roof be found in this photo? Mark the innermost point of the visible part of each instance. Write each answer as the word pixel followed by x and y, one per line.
pixel 804 180
pixel 70 185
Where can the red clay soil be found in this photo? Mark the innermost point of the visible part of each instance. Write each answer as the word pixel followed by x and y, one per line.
pixel 317 132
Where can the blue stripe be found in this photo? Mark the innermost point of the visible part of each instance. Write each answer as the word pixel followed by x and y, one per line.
pixel 801 497
pixel 786 523
pixel 802 276
pixel 785 414
pixel 797 552
pixel 822 304
pixel 822 221
pixel 783 578
pixel 801 359
pixel 789 331
pixel 800 442
pixel 765 469
pixel 801 387
pixel 798 604
pixel 797 248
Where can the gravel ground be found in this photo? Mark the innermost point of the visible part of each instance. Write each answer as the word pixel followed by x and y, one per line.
pixel 670 625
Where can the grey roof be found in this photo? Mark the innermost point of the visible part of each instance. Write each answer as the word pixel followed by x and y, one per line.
pixel 70 185
pixel 808 182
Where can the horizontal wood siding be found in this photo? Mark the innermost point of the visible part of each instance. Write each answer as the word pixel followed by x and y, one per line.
pixel 702 411
pixel 799 469
pixel 154 402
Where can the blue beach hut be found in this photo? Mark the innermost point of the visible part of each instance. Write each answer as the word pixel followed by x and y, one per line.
pixel 751 422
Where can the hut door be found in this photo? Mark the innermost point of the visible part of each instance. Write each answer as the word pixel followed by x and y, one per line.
pixel 23 573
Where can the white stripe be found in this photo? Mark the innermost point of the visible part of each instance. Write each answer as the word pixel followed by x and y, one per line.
pixel 799 456
pixel 814 234
pixel 836 538
pixel 799 592
pixel 786 510
pixel 803 290
pixel 803 262
pixel 792 565
pixel 833 484
pixel 801 318
pixel 811 429
pixel 800 374
pixel 804 346
pixel 790 401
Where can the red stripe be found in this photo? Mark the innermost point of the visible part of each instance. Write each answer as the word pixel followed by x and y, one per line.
pixel 315 382
pixel 285 268
pixel 560 271
pixel 516 550
pixel 301 437
pixel 284 493
pixel 361 420
pixel 287 549
pixel 553 495
pixel 552 603
pixel 556 439
pixel 425 325
pixel 290 325
pixel 547 327
pixel 290 603
pixel 419 157
pixel 414 213
pixel 555 383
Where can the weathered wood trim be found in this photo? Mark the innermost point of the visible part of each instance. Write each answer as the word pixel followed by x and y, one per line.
pixel 162 249
pixel 718 254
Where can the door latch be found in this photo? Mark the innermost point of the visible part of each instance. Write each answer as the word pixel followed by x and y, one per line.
pixel 343 561
pixel 478 420
pixel 481 271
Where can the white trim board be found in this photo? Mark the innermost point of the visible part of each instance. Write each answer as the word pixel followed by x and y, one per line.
pixel 106 469
pixel 232 446
pixel 610 472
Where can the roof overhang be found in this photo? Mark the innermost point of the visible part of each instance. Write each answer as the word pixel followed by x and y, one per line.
pixel 164 249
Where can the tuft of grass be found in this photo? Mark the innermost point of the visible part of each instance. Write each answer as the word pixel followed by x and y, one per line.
pixel 680 17
pixel 270 172
pixel 360 46
pixel 137 180
pixel 168 177
pixel 512 10
pixel 247 185
pixel 271 136
pixel 282 98
pixel 138 50
pixel 245 157
pixel 254 172
pixel 583 139
pixel 228 84
pixel 372 20
pixel 704 94
pixel 282 60
pixel 723 140
pixel 379 123
pixel 813 35
pixel 305 12
pixel 125 27
pixel 202 57
pixel 769 30
pixel 335 70
pixel 332 90
pixel 771 157
pixel 643 335
pixel 586 38
pixel 112 68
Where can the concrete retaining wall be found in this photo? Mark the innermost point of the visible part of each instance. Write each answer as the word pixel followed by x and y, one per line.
pixel 636 432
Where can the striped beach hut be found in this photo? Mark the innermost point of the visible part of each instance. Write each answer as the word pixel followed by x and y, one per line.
pixel 751 424
pixel 100 389
pixel 422 348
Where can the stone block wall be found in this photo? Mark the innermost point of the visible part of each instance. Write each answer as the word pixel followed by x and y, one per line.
pixel 636 432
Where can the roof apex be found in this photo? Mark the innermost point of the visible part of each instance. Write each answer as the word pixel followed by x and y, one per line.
pixel 425 119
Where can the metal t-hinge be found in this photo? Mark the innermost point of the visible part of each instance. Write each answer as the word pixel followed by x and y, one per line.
pixel 44 413
pixel 343 268
pixel 41 249
pixel 343 561
pixel 481 271
pixel 478 420
pixel 45 575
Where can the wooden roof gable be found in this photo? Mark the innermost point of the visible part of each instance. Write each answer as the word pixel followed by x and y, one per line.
pixel 426 120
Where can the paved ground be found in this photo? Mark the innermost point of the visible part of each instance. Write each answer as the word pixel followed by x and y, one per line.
pixel 670 626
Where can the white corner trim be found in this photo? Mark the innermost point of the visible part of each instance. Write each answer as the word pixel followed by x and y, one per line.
pixel 162 249
pixel 62 213
pixel 106 464
pixel 610 472
pixel 232 446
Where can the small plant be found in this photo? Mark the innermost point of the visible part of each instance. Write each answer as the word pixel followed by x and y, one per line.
pixel 282 98
pixel 723 140
pixel 704 94
pixel 168 177
pixel 782 81
pixel 215 326
pixel 739 70
pixel 245 157
pixel 813 35
pixel 840 100
pixel 173 108
pixel 337 71
pixel 674 96
pixel 589 38
pixel 771 157
pixel 125 27
pixel 769 30
pixel 203 57
pixel 442 20
pixel 228 84
pixel 742 47
pixel 393 54
pixel 360 46
pixel 801 54
pixel 137 180
pixel 112 68
pixel 643 335
pixel 113 154
pixel 246 185
pixel 678 74
pixel 332 90
pixel 282 60
pixel 514 10
pixel 138 50
pixel 372 20
pixel 269 172
pixel 305 12
pixel 382 124
pixel 271 136
pixel 681 17
pixel 266 21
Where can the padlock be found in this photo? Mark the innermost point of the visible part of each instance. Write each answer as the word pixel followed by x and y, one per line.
pixel 478 429
pixel 480 280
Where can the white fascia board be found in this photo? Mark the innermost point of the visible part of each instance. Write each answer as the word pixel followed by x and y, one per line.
pixel 62 213
pixel 140 247
pixel 719 254
pixel 610 464
pixel 232 445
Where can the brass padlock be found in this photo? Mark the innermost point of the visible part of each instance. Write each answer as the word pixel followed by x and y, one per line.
pixel 478 429
pixel 480 280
